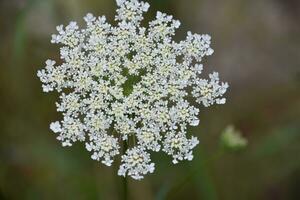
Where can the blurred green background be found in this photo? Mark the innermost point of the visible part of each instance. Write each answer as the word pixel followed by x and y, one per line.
pixel 257 50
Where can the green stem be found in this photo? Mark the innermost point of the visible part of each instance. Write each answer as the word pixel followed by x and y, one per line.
pixel 124 179
pixel 125 188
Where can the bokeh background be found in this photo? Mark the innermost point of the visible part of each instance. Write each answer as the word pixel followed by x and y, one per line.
pixel 257 50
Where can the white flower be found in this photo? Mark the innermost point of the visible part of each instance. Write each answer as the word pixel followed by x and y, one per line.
pixel 89 18
pixel 129 84
pixel 195 122
pixel 105 147
pixel 177 145
pixel 136 163
pixel 55 127
pixel 209 93
pixel 149 138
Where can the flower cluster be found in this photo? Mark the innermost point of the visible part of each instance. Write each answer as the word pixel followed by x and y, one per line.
pixel 128 84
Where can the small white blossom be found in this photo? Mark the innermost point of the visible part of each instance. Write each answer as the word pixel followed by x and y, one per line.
pixel 130 84
pixel 210 92
pixel 55 127
pixel 105 147
pixel 136 163
pixel 177 145
pixel 89 18
pixel 149 138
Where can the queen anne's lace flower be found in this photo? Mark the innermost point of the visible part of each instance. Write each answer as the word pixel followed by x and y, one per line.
pixel 129 84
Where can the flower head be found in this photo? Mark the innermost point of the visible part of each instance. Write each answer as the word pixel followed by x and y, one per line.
pixel 130 84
